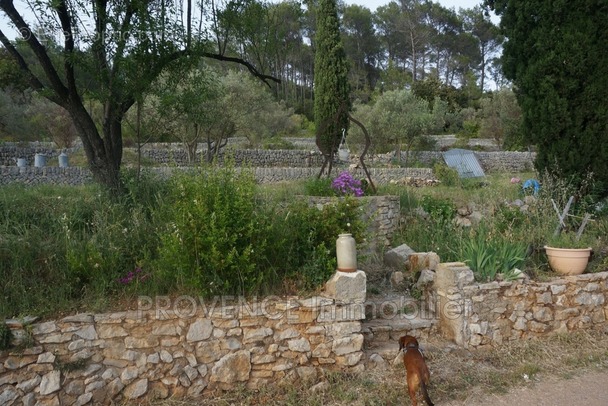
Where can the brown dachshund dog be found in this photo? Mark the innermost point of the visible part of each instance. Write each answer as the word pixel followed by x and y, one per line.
pixel 418 375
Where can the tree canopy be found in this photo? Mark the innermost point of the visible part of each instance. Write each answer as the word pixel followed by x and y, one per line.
pixel 555 56
pixel 124 46
pixel 332 91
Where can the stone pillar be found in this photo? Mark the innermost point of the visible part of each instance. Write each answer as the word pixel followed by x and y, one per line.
pixel 450 279
pixel 347 287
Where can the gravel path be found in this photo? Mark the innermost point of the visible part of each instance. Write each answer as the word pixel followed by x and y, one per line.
pixel 589 389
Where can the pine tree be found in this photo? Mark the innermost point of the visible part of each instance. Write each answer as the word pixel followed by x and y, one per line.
pixel 331 88
pixel 556 56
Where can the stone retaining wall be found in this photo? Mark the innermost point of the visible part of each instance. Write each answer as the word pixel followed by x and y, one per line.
pixel 241 157
pixel 382 213
pixel 474 314
pixel 502 161
pixel 51 175
pixel 80 175
pixel 184 348
pixel 175 155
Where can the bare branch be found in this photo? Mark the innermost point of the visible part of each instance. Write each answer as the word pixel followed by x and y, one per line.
pixel 68 37
pixel 249 66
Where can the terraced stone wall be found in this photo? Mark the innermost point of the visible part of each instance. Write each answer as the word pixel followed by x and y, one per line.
pixel 474 314
pixel 180 348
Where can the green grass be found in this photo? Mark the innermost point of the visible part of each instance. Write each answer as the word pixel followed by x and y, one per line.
pixel 64 249
pixel 67 248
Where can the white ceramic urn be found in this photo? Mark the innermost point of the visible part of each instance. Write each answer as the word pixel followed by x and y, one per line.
pixel 346 252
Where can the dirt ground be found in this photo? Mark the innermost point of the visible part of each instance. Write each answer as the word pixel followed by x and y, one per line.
pixel 589 389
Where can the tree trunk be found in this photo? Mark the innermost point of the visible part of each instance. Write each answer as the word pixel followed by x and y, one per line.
pixel 104 154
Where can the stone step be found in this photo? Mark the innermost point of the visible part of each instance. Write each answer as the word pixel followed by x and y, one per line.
pixel 387 350
pixel 392 306
pixel 385 330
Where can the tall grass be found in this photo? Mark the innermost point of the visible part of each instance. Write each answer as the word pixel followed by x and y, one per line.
pixel 210 232
pixel 64 247
pixel 508 236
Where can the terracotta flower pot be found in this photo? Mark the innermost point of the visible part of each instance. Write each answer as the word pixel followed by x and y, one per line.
pixel 568 261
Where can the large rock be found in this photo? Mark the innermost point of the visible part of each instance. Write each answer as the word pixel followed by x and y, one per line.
pixel 427 277
pixel 200 330
pixel 50 383
pixel 450 279
pixel 8 395
pixel 232 368
pixel 423 260
pixel 346 345
pixel 136 389
pixel 347 287
pixel 398 258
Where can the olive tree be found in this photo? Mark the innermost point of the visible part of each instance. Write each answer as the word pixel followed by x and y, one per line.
pixel 123 46
pixel 399 119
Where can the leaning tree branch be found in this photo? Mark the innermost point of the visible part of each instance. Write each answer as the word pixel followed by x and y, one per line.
pixel 249 66
pixel 39 50
pixel 68 38
pixel 368 142
pixel 34 82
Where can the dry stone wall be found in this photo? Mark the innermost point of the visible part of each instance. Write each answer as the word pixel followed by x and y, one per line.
pixel 175 155
pixel 382 213
pixel 240 157
pixel 500 161
pixel 51 175
pixel 474 314
pixel 80 175
pixel 181 348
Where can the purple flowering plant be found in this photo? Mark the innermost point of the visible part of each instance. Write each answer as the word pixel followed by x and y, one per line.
pixel 346 185
pixel 131 276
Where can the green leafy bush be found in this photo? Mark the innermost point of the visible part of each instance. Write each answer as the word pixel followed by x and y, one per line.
pixel 305 237
pixel 5 336
pixel 446 175
pixel 319 187
pixel 214 239
pixel 440 210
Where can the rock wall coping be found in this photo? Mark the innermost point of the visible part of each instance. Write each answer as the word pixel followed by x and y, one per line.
pixel 496 312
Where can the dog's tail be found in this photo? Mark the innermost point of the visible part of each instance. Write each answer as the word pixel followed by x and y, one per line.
pixel 425 394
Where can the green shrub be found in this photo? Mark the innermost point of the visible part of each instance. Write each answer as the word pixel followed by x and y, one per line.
pixel 277 143
pixel 440 210
pixel 319 187
pixel 470 129
pixel 446 175
pixel 5 336
pixel 305 237
pixel 214 240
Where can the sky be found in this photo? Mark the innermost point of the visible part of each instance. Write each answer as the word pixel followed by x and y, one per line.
pixel 456 4
pixel 371 4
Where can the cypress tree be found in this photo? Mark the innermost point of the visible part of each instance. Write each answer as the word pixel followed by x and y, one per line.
pixel 556 57
pixel 331 88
